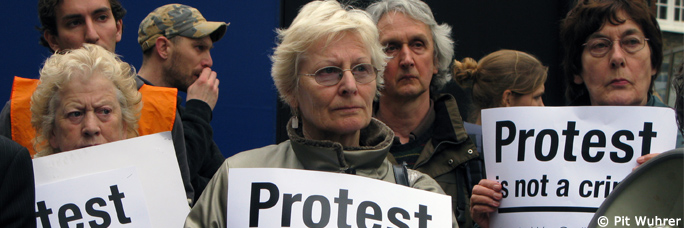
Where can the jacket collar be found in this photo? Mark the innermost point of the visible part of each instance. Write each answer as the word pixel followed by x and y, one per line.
pixel 449 130
pixel 375 141
pixel 446 111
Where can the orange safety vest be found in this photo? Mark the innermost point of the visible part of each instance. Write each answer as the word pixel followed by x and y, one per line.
pixel 158 113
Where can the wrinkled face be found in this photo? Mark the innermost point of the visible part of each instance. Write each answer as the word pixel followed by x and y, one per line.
pixel 186 60
pixel 85 21
pixel 409 43
pixel 618 78
pixel 341 110
pixel 531 99
pixel 88 114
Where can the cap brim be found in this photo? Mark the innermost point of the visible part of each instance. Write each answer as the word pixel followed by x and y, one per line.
pixel 213 28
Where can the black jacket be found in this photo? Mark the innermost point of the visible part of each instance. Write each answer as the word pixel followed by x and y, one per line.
pixel 17 186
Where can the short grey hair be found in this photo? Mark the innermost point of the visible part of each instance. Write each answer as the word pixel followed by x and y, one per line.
pixel 441 33
pixel 318 20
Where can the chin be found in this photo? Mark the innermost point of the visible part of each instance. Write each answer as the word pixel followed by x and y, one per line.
pixel 350 126
pixel 621 101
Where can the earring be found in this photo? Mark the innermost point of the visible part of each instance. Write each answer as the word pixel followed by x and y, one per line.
pixel 295 122
pixel 295 118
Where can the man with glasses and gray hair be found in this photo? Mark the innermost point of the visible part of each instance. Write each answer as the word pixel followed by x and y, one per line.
pixel 430 136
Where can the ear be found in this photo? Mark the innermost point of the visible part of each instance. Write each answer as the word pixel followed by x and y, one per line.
pixel 293 103
pixel 119 30
pixel 505 98
pixel 52 140
pixel 51 39
pixel 578 79
pixel 126 134
pixel 162 46
pixel 435 69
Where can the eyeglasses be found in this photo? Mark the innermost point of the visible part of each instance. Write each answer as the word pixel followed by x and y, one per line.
pixel 599 47
pixel 331 75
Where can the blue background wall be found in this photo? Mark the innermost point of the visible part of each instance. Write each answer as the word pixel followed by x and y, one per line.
pixel 244 117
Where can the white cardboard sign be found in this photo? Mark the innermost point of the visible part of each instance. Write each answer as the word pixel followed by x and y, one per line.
pixel 116 200
pixel 558 164
pixel 270 197
pixel 134 183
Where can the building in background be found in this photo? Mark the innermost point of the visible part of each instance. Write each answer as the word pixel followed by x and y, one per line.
pixel 670 16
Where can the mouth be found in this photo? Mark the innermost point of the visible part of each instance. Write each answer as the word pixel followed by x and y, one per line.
pixel 619 82
pixel 407 77
pixel 347 108
pixel 89 145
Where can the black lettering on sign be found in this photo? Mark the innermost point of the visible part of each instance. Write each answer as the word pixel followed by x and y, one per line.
pixel 593 144
pixel 71 212
pixel 255 203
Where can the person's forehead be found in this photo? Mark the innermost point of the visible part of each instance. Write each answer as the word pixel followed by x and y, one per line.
pixel 395 17
pixel 395 23
pixel 76 7
pixel 628 27
pixel 96 83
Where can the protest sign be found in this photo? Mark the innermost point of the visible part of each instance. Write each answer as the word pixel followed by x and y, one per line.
pixel 128 183
pixel 270 197
pixel 558 164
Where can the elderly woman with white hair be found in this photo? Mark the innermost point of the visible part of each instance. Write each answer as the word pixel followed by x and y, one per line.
pixel 86 97
pixel 327 68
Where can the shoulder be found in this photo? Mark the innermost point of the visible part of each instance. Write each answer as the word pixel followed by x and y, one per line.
pixel 422 181
pixel 10 149
pixel 655 102
pixel 268 156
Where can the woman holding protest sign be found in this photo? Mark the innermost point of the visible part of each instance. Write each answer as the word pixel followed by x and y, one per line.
pixel 613 52
pixel 86 97
pixel 327 67
pixel 505 78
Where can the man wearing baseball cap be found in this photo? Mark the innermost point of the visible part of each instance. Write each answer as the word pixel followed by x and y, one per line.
pixel 176 41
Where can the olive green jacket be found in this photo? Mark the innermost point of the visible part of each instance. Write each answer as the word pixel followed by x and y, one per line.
pixel 451 158
pixel 367 160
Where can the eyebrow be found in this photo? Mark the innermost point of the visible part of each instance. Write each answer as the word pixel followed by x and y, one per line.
pixel 75 16
pixel 201 42
pixel 421 37
pixel 333 62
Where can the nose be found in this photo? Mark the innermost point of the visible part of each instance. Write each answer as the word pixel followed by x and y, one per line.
pixel 347 84
pixel 208 61
pixel 406 57
pixel 91 35
pixel 617 56
pixel 91 125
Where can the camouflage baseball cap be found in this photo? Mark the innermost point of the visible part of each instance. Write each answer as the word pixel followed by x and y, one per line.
pixel 177 20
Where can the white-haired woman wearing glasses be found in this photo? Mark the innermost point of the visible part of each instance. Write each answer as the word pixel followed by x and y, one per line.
pixel 327 68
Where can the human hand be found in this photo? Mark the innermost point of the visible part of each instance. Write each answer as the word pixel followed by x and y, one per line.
pixel 485 199
pixel 644 158
pixel 205 88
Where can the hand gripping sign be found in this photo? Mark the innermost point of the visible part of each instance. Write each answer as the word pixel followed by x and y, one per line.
pixel 128 183
pixel 270 197
pixel 557 164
